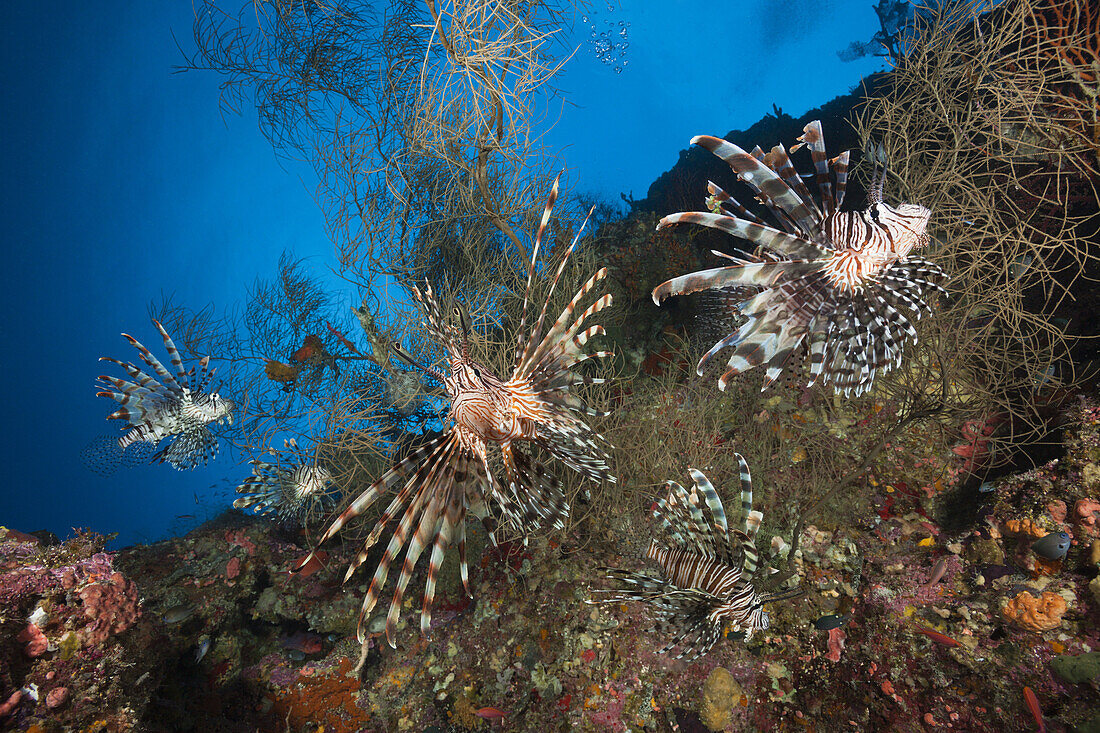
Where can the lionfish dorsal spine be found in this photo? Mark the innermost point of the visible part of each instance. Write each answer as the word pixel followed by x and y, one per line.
pixel 766 183
pixel 544 222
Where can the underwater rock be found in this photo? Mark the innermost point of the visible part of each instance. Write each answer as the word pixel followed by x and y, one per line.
pixel 1090 476
pixel 1077 668
pixel 719 696
pixel 1036 614
pixel 985 552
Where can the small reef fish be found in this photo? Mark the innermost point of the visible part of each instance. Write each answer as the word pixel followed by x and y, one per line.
pixel 831 621
pixel 936 636
pixel 837 289
pixel 937 573
pixel 1053 546
pixel 167 406
pixel 202 648
pixel 707 584
pixel 178 614
pixel 490 713
pixel 1033 705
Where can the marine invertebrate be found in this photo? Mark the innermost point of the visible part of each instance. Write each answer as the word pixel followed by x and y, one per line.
pixel 175 408
pixel 449 475
pixel 112 605
pixel 277 371
pixel 295 487
pixel 707 582
pixel 834 288
pixel 1036 614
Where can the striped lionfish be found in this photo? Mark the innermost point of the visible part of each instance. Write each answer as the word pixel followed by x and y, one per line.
pixel 297 491
pixel 449 475
pixel 707 580
pixel 833 286
pixel 175 407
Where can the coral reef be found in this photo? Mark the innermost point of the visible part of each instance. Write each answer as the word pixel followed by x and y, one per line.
pixel 901 628
pixel 927 601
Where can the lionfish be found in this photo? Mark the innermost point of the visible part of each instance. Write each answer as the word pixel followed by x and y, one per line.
pixel 167 406
pixel 707 584
pixel 834 287
pixel 449 475
pixel 297 490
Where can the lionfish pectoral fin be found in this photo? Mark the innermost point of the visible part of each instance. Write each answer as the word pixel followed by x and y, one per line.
pixel 534 493
pixel 766 182
pixel 454 514
pixel 187 450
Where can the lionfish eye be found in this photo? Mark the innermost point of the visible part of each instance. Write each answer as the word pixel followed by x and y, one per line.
pixel 477 372
pixel 874 213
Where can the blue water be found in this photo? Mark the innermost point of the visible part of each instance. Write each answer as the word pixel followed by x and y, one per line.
pixel 122 182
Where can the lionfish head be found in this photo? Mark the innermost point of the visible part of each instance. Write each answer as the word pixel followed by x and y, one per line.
pixel 220 408
pixel 758 619
pixel 906 224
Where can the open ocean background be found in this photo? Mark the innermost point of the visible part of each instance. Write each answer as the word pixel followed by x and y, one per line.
pixel 123 183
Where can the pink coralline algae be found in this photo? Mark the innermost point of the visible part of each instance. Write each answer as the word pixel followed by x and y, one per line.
pixel 233 568
pixel 1086 513
pixel 35 640
pixel 57 697
pixel 836 644
pixel 112 605
pixel 94 569
pixel 239 538
pixel 9 705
